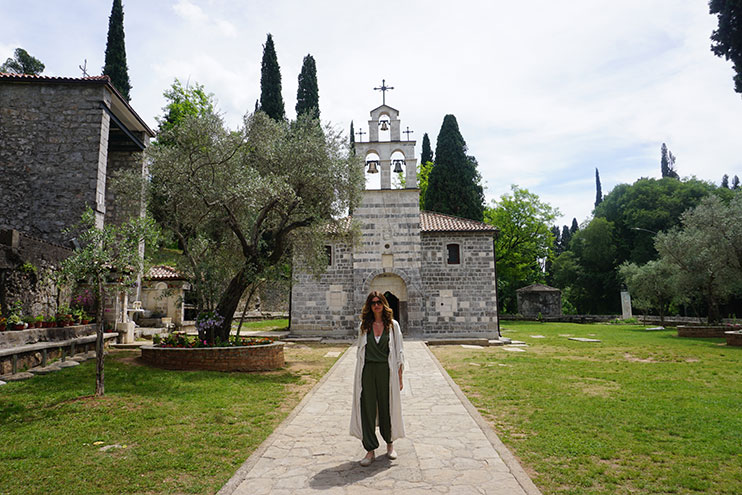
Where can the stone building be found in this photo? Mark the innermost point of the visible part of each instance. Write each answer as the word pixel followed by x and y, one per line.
pixel 61 139
pixel 437 271
pixel 538 299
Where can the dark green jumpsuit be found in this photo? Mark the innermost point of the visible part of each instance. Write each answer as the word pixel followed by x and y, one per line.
pixel 375 391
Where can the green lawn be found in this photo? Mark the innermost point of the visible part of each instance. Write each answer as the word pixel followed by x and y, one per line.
pixel 262 325
pixel 639 412
pixel 179 432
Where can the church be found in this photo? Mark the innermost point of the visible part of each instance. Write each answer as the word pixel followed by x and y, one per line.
pixel 437 271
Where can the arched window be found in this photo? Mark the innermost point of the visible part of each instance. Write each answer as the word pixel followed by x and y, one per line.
pixel 328 253
pixel 454 254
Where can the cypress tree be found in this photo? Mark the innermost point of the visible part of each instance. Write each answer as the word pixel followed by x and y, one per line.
pixel 566 237
pixel 307 96
pixel 598 189
pixel 352 139
pixel 667 163
pixel 454 183
pixel 22 63
pixel 427 153
pixel 725 181
pixel 735 183
pixel 271 101
pixel 574 228
pixel 115 65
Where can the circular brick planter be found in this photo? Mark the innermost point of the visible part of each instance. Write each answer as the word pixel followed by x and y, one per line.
pixel 734 337
pixel 245 358
pixel 702 332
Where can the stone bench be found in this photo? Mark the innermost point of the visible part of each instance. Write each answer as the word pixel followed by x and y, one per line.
pixel 29 355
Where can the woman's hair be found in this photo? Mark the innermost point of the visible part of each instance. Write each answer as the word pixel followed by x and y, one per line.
pixel 367 315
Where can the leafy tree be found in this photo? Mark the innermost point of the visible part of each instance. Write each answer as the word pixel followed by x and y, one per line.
pixel 667 163
pixel 706 252
pixel 423 176
pixel 22 63
pixel 271 101
pixel 735 183
pixel 652 285
pixel 725 181
pixel 588 269
pixel 454 184
pixel 598 189
pixel 524 243
pixel 182 102
pixel 307 96
pixel 109 260
pixel 427 152
pixel 651 204
pixel 727 39
pixel 244 198
pixel 115 63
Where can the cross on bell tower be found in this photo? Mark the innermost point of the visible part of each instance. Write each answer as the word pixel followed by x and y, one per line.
pixel 391 151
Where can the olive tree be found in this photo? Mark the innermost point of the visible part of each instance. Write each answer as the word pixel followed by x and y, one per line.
pixel 652 285
pixel 237 201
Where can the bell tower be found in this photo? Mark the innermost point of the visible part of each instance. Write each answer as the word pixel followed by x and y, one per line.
pixel 385 151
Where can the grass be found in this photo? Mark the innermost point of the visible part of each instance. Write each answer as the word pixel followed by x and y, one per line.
pixel 178 432
pixel 639 412
pixel 262 325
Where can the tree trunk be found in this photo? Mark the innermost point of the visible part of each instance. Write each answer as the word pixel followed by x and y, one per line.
pixel 99 388
pixel 231 299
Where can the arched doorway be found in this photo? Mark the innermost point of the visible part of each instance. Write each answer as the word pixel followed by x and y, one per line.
pixel 395 291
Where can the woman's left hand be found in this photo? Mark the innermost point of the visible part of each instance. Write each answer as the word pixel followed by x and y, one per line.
pixel 401 385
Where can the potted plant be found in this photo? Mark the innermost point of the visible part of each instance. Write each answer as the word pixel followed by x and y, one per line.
pixel 16 322
pixel 50 322
pixel 38 322
pixel 3 323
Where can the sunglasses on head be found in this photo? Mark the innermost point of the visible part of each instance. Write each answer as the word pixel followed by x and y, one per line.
pixel 376 301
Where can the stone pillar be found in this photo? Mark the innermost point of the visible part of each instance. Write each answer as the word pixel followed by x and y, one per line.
pixel 625 304
pixel 386 174
pixel 411 173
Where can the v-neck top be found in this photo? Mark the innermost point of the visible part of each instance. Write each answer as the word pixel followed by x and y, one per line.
pixel 377 353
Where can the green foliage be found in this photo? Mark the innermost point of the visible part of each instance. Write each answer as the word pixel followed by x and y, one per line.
pixel 454 184
pixel 22 63
pixel 588 269
pixel 725 181
pixel 183 101
pixel 423 177
pixel 652 285
pixel 427 152
pixel 652 204
pixel 667 163
pixel 307 95
pixel 524 241
pixel 115 63
pixel 238 201
pixel 706 252
pixel 598 189
pixel 271 100
pixel 727 38
pixel 352 140
pixel 28 268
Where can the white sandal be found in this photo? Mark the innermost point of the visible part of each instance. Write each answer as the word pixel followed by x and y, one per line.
pixel 366 461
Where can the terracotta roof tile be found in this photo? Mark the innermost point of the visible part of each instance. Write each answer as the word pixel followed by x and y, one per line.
pixel 164 272
pixel 34 77
pixel 438 222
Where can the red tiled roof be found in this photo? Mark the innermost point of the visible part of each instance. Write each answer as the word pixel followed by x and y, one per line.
pixel 164 272
pixel 538 288
pixel 438 222
pixel 34 77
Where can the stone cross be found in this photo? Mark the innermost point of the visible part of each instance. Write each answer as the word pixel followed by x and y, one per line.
pixel 384 88
pixel 408 132
pixel 360 135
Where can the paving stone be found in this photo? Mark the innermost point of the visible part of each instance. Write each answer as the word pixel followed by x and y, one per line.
pixel 333 353
pixel 2 383
pixel 654 329
pixel 537 337
pixel 67 364
pixel 514 349
pixel 583 339
pixel 496 342
pixel 45 370
pixel 470 346
pixel 17 377
pixel 445 451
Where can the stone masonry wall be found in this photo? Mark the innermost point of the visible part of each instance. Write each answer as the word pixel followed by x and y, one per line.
pixel 53 145
pixel 122 205
pixel 325 305
pixel 461 298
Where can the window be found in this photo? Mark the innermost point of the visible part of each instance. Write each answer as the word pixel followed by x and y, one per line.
pixel 454 254
pixel 328 253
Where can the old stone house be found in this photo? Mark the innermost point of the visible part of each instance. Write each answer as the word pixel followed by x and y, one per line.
pixel 540 299
pixel 437 271
pixel 61 140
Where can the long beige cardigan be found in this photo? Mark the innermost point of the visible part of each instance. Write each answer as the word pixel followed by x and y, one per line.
pixel 396 359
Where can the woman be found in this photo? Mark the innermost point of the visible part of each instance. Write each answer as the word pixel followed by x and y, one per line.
pixel 378 379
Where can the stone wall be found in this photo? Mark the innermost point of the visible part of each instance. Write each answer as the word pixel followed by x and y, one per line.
pixel 546 303
pixel 53 152
pixel 246 358
pixel 461 298
pixel 123 204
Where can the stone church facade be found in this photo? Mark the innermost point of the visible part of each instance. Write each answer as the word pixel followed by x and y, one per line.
pixel 437 271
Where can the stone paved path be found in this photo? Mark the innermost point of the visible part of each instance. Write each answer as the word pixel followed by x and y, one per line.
pixel 448 449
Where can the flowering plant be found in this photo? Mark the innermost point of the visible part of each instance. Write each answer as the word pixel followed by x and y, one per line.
pixel 182 341
pixel 206 323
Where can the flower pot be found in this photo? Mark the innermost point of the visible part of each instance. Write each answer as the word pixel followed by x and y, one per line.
pixel 19 326
pixel 2 328
pixel 85 322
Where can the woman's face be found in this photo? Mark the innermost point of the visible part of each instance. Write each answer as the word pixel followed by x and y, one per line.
pixel 376 306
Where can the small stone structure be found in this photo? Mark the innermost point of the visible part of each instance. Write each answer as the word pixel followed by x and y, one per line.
pixel 239 358
pixel 538 298
pixel 437 271
pixel 61 140
pixel 706 332
pixel 163 291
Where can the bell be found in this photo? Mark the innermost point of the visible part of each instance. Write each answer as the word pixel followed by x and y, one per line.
pixel 398 166
pixel 372 167
pixel 384 127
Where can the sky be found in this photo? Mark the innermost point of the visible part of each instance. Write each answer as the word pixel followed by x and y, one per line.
pixel 544 92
